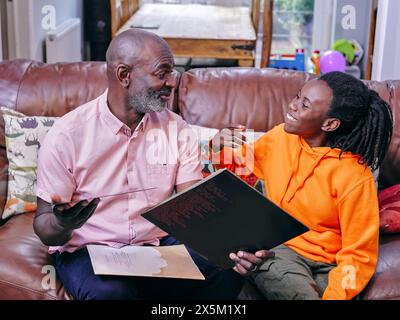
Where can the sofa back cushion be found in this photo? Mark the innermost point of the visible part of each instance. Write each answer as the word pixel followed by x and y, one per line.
pixel 11 74
pixel 390 170
pixel 36 88
pixel 258 98
pixel 213 97
pixel 55 89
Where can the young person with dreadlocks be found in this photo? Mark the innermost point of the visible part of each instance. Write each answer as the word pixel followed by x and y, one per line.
pixel 318 167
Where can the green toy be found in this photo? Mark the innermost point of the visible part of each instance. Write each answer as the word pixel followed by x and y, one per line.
pixel 351 49
pixel 346 47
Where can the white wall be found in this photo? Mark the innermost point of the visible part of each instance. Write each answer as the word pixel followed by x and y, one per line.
pixel 361 30
pixel 29 34
pixel 386 65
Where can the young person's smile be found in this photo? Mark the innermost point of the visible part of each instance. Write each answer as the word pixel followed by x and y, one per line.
pixel 308 111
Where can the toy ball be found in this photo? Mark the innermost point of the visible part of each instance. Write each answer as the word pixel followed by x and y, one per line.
pixel 332 61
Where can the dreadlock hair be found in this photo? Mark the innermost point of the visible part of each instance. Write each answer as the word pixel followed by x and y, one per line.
pixel 366 120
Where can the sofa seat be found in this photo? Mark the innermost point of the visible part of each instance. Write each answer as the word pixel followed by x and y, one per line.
pixel 385 283
pixel 23 257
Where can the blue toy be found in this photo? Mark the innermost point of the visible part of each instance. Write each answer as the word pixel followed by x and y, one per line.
pixel 287 61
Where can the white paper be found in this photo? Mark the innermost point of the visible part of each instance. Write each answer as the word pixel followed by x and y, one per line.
pixel 168 261
pixel 127 260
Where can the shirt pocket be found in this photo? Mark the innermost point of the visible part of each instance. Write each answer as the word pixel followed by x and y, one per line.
pixel 160 170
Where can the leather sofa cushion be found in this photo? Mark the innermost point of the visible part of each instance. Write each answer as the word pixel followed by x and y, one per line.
pixel 385 282
pixel 390 169
pixel 55 89
pixel 256 98
pixel 22 258
pixel 11 74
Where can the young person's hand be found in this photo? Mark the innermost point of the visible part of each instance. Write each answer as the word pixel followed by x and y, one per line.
pixel 71 216
pixel 247 262
pixel 228 137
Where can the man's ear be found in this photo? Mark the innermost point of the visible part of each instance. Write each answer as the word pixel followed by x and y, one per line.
pixel 330 124
pixel 123 75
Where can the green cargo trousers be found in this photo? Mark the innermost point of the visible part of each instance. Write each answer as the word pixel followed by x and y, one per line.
pixel 290 276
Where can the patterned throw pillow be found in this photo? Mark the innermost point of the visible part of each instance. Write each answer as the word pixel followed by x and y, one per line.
pixel 389 210
pixel 204 135
pixel 23 136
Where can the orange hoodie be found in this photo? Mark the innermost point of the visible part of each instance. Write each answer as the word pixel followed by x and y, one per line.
pixel 336 199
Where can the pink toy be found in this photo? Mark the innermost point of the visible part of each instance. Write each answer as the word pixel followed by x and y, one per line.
pixel 332 61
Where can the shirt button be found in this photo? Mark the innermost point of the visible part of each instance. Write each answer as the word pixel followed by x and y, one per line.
pixel 133 234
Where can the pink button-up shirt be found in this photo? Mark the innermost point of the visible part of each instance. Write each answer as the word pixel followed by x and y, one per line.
pixel 89 152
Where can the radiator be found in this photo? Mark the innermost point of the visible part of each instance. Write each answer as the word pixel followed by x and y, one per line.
pixel 64 43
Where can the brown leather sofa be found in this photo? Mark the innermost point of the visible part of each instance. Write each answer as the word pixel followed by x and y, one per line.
pixel 206 97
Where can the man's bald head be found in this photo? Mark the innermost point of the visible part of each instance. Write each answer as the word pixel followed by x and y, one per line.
pixel 133 46
pixel 139 66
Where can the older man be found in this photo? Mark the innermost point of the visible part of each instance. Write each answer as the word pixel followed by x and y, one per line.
pixel 102 147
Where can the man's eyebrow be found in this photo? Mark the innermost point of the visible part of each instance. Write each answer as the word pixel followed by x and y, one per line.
pixel 166 66
pixel 163 67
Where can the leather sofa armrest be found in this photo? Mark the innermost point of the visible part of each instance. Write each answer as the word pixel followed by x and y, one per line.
pixel 3 168
pixel 385 284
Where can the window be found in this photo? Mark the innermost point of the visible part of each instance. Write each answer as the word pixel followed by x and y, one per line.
pixel 292 26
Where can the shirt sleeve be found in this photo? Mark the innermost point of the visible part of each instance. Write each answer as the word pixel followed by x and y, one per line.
pixel 189 168
pixel 55 171
pixel 356 261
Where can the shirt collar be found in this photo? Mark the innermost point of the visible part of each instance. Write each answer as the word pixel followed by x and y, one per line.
pixel 143 123
pixel 113 122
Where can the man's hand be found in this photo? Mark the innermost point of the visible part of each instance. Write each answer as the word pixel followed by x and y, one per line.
pixel 248 262
pixel 72 216
pixel 228 137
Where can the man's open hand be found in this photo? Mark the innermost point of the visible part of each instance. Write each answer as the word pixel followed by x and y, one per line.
pixel 248 262
pixel 71 216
